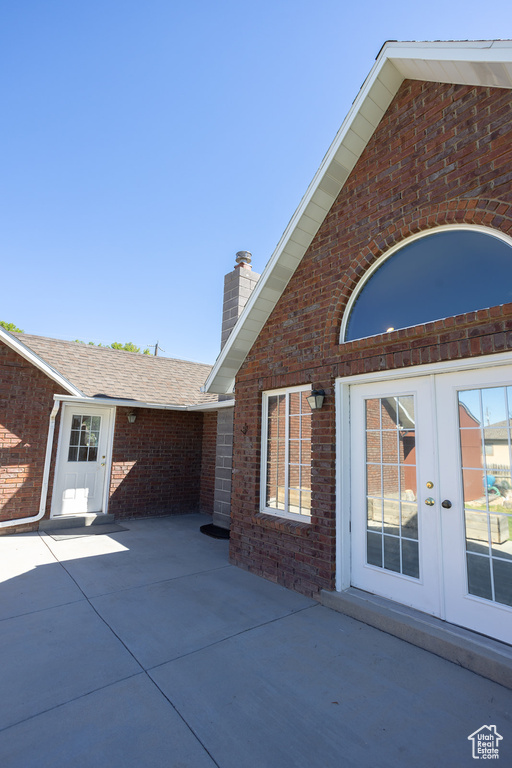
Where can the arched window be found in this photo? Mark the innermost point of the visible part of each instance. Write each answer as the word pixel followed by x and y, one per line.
pixel 449 272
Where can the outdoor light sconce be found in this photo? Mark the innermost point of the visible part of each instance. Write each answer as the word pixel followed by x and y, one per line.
pixel 316 399
pixel 131 417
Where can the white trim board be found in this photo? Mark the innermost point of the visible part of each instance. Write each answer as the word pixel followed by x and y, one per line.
pixel 119 402
pixel 479 63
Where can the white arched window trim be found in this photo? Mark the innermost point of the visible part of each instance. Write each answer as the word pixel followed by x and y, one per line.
pixel 403 244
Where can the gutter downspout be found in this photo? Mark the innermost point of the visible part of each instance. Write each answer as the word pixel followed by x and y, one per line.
pixel 46 476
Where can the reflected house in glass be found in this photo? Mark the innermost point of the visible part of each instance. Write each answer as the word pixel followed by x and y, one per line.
pixel 391 291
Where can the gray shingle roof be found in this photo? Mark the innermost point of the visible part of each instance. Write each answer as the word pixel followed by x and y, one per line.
pixel 112 373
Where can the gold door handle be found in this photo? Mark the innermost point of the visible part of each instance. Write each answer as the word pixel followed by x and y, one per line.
pixel 430 501
pixel 102 463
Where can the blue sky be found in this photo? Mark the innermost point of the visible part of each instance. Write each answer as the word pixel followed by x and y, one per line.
pixel 143 143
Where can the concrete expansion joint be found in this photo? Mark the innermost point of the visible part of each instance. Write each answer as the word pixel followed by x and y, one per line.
pixel 69 701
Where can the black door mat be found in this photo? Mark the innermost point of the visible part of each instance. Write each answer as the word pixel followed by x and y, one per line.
pixel 215 531
pixel 61 534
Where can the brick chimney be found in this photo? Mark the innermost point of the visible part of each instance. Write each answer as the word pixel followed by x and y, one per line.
pixel 238 286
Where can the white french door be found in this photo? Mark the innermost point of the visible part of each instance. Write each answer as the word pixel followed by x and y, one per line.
pixel 431 495
pixel 82 460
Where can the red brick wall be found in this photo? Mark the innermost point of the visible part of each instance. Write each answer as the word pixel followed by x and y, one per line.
pixel 26 400
pixel 209 445
pixel 156 468
pixel 441 155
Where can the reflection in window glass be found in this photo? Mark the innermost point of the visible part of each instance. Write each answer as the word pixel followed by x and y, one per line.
pixel 84 438
pixel 485 442
pixel 436 276
pixel 391 504
pixel 288 442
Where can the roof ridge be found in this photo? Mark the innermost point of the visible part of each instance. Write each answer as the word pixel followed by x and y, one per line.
pixel 101 349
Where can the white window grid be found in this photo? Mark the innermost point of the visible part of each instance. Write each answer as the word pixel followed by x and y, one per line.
pixel 286 513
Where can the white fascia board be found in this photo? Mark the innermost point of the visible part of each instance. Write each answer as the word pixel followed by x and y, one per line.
pixel 25 352
pixel 113 402
pixel 119 402
pixel 221 405
pixel 394 63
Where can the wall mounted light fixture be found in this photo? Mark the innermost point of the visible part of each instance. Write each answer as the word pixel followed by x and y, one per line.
pixel 316 399
pixel 131 417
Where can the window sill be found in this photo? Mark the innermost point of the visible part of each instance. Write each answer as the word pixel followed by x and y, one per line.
pixel 283 524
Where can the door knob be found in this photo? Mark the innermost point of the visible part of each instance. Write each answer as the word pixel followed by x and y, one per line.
pixel 430 501
pixel 446 504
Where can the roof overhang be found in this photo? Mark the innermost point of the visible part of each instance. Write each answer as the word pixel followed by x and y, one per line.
pixel 483 63
pixel 121 402
pixel 18 346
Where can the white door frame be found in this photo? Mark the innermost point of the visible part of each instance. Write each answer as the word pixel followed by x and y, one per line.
pixel 62 445
pixel 343 459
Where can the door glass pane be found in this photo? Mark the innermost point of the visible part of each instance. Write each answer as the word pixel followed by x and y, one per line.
pixel 410 520
pixel 84 438
pixel 406 412
pixel 479 576
pixel 374 549
pixel 410 558
pixel 471 448
pixel 484 421
pixel 374 514
pixel 392 553
pixel 391 503
pixel 502 572
pixel 390 447
pixel 389 408
pixel 494 408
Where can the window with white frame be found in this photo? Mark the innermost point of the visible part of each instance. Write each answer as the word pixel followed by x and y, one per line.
pixel 286 453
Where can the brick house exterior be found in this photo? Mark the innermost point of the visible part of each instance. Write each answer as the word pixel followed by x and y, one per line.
pixel 413 156
pixel 380 205
pixel 162 464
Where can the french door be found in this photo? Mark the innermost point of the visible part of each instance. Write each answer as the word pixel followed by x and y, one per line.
pixel 431 495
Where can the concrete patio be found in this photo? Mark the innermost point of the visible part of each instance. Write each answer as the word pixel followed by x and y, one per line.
pixel 147 648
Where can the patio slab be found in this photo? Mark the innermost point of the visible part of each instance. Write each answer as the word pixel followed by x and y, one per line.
pixel 56 655
pixel 150 551
pixel 320 689
pixel 175 658
pixel 128 724
pixel 30 577
pixel 163 621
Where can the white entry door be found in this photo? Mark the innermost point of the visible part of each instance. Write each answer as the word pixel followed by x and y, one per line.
pixel 79 486
pixel 431 495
